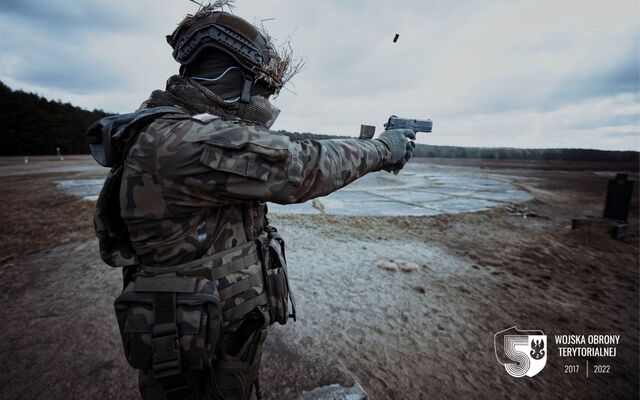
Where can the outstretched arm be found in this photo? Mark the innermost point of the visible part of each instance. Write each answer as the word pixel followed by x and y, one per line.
pixel 221 163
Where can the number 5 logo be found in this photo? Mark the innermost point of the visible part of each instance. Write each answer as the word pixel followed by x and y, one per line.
pixel 521 352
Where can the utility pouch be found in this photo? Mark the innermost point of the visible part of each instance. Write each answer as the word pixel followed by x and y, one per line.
pixel 169 323
pixel 276 280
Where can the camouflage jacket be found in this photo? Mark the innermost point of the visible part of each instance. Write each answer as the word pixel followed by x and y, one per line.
pixel 195 186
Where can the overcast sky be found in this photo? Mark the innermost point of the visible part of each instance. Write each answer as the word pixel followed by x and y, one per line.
pixel 545 73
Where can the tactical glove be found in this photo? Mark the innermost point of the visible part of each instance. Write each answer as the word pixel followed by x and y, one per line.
pixel 401 148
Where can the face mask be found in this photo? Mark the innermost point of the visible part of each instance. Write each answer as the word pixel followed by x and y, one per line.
pixel 228 88
pixel 261 112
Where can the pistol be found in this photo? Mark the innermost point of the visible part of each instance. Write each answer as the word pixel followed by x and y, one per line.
pixel 416 125
pixel 395 122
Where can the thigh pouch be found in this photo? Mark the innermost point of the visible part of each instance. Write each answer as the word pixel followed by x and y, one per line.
pixel 169 323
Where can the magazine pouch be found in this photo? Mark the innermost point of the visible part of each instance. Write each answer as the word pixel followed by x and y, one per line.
pixel 276 280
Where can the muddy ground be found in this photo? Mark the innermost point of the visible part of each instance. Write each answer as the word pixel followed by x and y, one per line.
pixel 427 333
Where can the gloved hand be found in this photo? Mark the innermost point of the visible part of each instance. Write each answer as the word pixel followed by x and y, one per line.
pixel 401 148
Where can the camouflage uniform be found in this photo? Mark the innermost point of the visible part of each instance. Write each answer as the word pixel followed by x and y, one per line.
pixel 183 208
pixel 193 186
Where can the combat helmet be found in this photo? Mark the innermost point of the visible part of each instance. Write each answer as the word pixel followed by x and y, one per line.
pixel 253 50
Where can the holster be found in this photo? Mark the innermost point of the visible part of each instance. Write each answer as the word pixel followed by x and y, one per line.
pixel 235 371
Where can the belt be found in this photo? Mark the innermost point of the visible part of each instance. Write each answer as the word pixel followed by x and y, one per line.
pixel 217 269
pixel 215 260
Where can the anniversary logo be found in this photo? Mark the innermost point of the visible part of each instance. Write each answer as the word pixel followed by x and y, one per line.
pixel 524 352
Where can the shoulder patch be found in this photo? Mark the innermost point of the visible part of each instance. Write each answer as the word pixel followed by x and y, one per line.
pixel 205 118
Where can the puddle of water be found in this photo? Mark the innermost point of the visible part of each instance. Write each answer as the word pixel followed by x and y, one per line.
pixel 418 190
pixel 88 189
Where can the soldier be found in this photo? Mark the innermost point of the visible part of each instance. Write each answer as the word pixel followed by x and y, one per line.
pixel 183 209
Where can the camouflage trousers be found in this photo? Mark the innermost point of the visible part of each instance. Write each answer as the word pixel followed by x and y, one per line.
pixel 232 375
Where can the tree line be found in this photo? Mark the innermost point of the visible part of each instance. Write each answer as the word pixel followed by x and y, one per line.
pixel 33 125
pixel 509 153
pixel 502 153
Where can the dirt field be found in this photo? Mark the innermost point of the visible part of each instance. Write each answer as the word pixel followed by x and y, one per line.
pixel 427 333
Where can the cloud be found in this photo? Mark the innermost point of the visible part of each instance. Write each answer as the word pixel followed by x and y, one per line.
pixel 502 73
pixel 57 65
pixel 623 134
pixel 611 122
pixel 62 16
pixel 621 75
pixel 624 75
pixel 56 45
